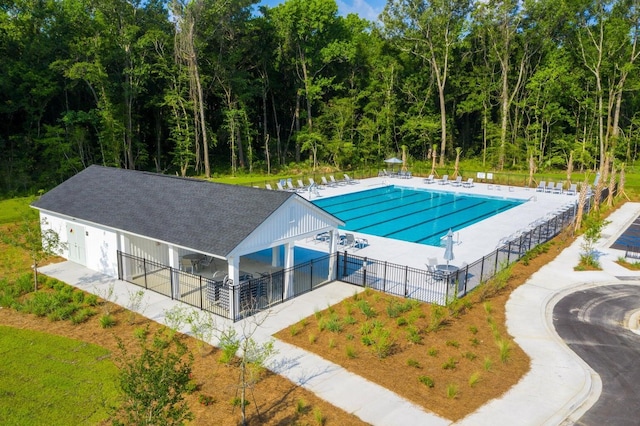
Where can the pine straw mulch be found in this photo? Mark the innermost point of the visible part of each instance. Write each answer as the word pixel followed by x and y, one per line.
pixel 461 357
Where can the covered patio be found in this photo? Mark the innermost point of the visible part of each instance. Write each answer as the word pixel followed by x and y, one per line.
pixel 193 228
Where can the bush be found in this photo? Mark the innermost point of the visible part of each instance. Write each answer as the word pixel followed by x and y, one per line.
pixel 427 381
pixel 107 321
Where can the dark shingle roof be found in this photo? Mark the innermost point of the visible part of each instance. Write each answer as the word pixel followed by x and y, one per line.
pixel 205 216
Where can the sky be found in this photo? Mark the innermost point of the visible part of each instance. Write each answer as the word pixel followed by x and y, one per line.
pixel 367 9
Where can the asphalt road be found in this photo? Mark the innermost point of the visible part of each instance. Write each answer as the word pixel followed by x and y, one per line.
pixel 591 322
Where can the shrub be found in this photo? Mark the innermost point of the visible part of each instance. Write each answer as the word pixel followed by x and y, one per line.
pixel 452 391
pixel 301 406
pixel 293 330
pixel 474 379
pixel 427 381
pixel 414 335
pixel 450 364
pixel 438 318
pixel 107 321
pixel 413 363
pixel 366 309
pixel 401 322
pixel 452 343
pixel 432 352
pixel 229 345
pixel 319 417
pixel 91 300
pixel 470 356
pixel 312 338
pixel 505 350
pixel 350 320
pixel 351 352
pixel 82 315
pixel 474 341
pixel 487 364
pixel 206 400
pixel 473 329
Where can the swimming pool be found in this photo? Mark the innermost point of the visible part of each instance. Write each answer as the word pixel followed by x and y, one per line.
pixel 414 215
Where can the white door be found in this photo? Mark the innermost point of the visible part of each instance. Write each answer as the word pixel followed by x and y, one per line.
pixel 75 239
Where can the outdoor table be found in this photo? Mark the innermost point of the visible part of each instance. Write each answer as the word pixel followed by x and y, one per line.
pixel 195 259
pixel 447 268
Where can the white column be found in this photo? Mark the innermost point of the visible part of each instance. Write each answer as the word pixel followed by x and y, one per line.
pixel 275 257
pixel 233 264
pixel 122 246
pixel 288 264
pixel 174 262
pixel 333 244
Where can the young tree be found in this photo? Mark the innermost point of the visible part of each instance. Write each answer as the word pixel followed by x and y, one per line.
pixel 154 382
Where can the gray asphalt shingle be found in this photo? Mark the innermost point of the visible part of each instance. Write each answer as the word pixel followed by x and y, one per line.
pixel 205 216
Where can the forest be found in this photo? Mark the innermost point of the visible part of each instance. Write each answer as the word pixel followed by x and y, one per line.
pixel 207 87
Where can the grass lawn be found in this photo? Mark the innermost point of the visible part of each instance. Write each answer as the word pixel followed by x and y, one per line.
pixel 53 380
pixel 16 209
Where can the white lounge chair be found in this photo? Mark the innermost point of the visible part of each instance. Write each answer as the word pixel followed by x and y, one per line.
pixel 348 179
pixel 361 242
pixel 290 186
pixel 268 186
pixel 550 187
pixel 326 183
pixel 468 183
pixel 301 185
pixel 542 186
pixel 457 182
pixel 336 182
pixel 280 187
pixel 429 179
pixel 572 189
pixel 444 180
pixel 558 188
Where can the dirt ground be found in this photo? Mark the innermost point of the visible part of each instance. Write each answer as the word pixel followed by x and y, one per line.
pixel 462 358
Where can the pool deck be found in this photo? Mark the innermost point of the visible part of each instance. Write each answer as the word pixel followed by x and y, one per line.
pixel 472 242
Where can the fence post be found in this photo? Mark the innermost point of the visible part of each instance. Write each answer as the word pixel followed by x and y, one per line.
pixel 201 296
pixel 384 278
pixel 406 280
pixel 310 275
pixel 144 270
pixel 119 253
pixel 171 281
pixel 344 265
pixel 364 273
pixel 482 267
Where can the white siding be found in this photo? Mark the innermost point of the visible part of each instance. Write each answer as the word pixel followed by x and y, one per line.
pixel 293 221
pixel 148 249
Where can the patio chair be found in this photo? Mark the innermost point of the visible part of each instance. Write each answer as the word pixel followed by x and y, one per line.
pixel 186 264
pixel 542 186
pixel 550 187
pixel 468 183
pixel 444 180
pixel 383 173
pixel 558 188
pixel 279 185
pixel 336 182
pixel 312 182
pixel 572 189
pixel 301 186
pixel 290 186
pixel 268 186
pixel 361 243
pixel 457 182
pixel 325 182
pixel 348 179
pixel 429 179
pixel 206 261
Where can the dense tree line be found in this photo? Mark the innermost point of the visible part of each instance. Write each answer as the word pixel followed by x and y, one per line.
pixel 200 86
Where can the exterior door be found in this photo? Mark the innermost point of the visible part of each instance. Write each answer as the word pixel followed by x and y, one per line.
pixel 75 239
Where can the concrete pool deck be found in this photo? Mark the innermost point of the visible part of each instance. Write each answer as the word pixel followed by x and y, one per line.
pixel 474 241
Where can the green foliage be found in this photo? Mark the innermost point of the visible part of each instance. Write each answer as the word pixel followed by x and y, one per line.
pixel 450 364
pixel 229 345
pixel 452 391
pixel 593 225
pixel 413 363
pixel 351 352
pixel 107 321
pixel 366 309
pixel 474 379
pixel 154 383
pixel 427 381
pixel 438 318
pixel 432 352
pixel 48 379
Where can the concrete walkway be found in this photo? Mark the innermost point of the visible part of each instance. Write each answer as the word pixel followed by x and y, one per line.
pixel 557 390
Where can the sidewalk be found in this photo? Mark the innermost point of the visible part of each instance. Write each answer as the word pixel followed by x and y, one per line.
pixel 558 388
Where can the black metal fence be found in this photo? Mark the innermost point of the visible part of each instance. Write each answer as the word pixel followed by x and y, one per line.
pixel 440 287
pixel 237 301
pixel 222 297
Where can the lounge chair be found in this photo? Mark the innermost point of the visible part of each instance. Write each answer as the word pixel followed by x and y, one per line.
pixel 326 183
pixel 550 187
pixel 186 264
pixel 312 182
pixel 336 182
pixel 542 186
pixel 468 183
pixel 301 186
pixel 279 185
pixel 558 189
pixel 572 189
pixel 361 242
pixel 457 182
pixel 444 180
pixel 383 172
pixel 268 186
pixel 290 186
pixel 322 237
pixel 348 179
pixel 429 179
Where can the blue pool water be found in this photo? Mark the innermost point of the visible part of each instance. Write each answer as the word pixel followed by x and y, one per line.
pixel 417 216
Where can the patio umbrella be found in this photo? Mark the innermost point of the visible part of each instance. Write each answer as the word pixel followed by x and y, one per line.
pixel 393 161
pixel 448 247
